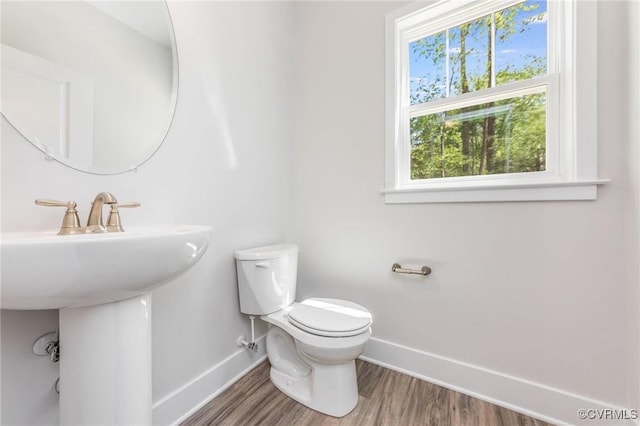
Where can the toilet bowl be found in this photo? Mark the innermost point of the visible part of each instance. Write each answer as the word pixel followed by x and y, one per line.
pixel 311 345
pixel 317 371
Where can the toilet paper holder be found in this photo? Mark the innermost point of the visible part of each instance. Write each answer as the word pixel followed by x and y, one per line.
pixel 425 270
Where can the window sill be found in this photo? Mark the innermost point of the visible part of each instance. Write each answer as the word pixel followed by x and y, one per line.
pixel 547 191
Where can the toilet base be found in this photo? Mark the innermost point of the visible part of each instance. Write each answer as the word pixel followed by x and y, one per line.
pixel 329 389
pixel 317 371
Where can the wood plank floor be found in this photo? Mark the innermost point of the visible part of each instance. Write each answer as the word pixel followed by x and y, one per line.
pixel 386 398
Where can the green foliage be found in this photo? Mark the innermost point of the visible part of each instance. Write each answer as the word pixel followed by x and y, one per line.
pixel 506 136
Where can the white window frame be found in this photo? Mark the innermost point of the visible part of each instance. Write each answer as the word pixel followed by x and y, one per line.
pixel 571 85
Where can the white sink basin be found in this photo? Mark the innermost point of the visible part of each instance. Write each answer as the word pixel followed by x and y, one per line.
pixel 49 271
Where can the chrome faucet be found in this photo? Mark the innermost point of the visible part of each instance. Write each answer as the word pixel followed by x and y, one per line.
pixel 95 223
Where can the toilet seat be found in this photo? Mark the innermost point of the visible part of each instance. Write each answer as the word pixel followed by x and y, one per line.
pixel 330 317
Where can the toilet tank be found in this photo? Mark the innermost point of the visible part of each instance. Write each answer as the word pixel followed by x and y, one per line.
pixel 267 278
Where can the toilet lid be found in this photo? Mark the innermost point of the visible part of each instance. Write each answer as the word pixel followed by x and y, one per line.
pixel 330 317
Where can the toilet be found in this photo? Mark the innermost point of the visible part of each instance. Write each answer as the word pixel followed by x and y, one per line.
pixel 311 345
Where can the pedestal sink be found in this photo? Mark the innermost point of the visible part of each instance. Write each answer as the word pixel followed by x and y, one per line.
pixel 101 284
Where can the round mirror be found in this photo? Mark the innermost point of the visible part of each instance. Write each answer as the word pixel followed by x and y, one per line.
pixel 93 84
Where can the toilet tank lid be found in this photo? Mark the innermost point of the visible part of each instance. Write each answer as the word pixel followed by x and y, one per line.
pixel 267 252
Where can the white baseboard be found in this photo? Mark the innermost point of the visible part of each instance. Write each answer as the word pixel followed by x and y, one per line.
pixel 533 399
pixel 189 398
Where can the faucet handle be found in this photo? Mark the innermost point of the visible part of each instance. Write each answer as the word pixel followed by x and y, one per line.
pixel 113 222
pixel 128 204
pixel 70 222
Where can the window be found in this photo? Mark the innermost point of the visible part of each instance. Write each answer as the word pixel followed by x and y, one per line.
pixel 485 102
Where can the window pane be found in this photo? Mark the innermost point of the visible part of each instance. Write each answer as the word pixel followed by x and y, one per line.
pixel 499 137
pixel 427 68
pixel 521 41
pixel 470 56
pixel 505 46
pixel 451 62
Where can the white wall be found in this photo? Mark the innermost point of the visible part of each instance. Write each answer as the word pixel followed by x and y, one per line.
pixel 545 292
pixel 226 163
pixel 28 393
pixel 633 211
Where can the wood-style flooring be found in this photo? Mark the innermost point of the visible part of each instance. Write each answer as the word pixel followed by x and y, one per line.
pixel 386 398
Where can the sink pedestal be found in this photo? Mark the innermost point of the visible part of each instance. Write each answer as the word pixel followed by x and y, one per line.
pixel 105 363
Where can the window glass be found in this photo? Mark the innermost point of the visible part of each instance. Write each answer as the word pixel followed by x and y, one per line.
pixel 428 68
pixel 521 42
pixel 505 136
pixel 498 48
